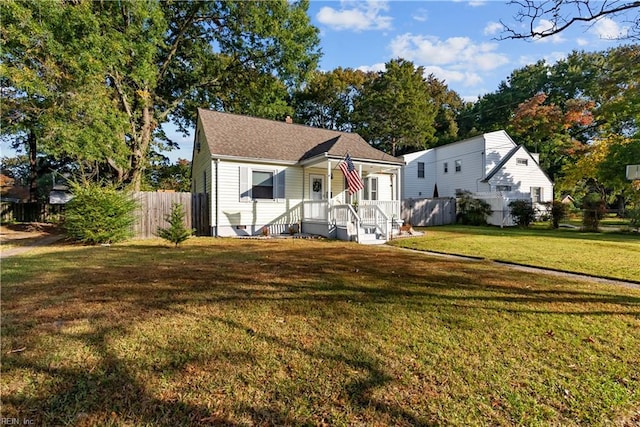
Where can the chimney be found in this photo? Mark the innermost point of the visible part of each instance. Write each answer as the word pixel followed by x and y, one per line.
pixel 288 119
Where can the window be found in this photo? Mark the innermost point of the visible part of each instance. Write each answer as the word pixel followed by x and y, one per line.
pixel 370 189
pixel 446 167
pixel 522 162
pixel 420 169
pixel 503 188
pixel 536 194
pixel 262 185
pixel 458 165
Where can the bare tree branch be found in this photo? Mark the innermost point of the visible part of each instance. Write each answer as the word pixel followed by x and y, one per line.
pixel 550 17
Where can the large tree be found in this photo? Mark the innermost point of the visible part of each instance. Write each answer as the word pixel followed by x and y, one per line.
pixel 327 100
pixel 149 62
pixel 394 111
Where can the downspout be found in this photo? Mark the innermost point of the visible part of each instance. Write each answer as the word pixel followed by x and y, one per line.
pixel 217 212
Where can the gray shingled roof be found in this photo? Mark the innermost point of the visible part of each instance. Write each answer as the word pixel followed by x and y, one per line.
pixel 251 137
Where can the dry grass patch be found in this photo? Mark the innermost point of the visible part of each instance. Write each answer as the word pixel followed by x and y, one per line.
pixel 244 332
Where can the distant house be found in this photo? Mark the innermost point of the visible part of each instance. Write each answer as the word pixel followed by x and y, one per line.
pixel 274 177
pixel 486 165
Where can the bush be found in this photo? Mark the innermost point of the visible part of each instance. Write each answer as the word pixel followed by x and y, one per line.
pixel 634 217
pixel 176 232
pixel 471 211
pixel 99 214
pixel 522 212
pixel 593 210
pixel 559 211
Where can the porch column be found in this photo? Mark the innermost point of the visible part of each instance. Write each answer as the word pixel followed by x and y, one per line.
pixel 362 178
pixel 329 195
pixel 398 184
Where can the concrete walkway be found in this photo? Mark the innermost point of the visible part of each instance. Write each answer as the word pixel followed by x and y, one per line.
pixel 18 250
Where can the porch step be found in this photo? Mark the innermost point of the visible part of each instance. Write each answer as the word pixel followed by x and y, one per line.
pixel 369 238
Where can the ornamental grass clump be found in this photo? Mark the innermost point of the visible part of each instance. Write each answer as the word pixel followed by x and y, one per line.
pixel 177 232
pixel 99 214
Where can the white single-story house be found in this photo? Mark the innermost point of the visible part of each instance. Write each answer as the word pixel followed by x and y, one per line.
pixel 490 166
pixel 266 176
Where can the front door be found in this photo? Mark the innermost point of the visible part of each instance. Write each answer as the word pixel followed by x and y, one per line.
pixel 316 187
pixel 316 190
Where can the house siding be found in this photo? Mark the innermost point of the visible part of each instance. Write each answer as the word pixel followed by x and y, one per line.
pixel 521 178
pixel 237 218
pixel 480 156
pixel 201 163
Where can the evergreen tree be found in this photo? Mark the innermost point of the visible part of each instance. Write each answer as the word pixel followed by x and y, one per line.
pixel 176 232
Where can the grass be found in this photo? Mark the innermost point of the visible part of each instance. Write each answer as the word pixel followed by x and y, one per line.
pixel 294 332
pixel 614 255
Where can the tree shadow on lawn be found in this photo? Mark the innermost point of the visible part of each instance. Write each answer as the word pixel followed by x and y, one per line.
pixel 156 282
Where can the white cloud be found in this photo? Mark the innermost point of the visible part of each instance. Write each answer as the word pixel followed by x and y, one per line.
pixel 456 59
pixel 608 29
pixel 356 16
pixel 420 15
pixel 380 66
pixel 492 28
pixel 430 50
pixel 582 42
pixel 466 78
pixel 544 25
pixel 472 3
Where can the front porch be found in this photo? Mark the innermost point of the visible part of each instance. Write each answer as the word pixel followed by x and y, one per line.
pixel 370 221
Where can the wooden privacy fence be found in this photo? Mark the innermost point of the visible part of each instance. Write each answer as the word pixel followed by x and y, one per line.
pixel 429 212
pixel 30 212
pixel 153 208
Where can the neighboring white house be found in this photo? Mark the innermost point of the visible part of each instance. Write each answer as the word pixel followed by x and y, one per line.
pixel 263 174
pixel 491 166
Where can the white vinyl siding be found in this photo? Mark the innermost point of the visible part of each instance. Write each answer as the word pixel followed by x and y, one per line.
pixel 478 157
pixel 249 213
pixel 261 183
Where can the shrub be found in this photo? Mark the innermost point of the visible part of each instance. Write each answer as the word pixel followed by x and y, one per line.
pixel 634 217
pixel 99 214
pixel 559 211
pixel 176 232
pixel 522 212
pixel 471 211
pixel 593 210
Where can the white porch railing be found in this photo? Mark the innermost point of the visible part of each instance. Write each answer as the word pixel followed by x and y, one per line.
pixel 391 208
pixel 372 216
pixel 383 216
pixel 315 210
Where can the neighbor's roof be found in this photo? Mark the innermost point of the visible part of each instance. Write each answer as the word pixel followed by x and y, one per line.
pixel 250 137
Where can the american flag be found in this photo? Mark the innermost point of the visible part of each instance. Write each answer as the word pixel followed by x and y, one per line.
pixel 354 182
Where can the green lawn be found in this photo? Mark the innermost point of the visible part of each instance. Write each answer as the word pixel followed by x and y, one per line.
pixel 294 332
pixel 614 255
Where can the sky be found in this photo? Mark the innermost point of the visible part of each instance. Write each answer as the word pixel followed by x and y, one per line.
pixel 454 40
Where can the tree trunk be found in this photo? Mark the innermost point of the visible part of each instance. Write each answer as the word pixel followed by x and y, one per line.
pixel 32 144
pixel 139 153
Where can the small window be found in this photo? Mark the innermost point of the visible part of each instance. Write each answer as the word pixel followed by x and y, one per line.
pixel 420 169
pixel 503 188
pixel 522 162
pixel 446 167
pixel 262 185
pixel 536 194
pixel 370 189
pixel 373 189
pixel 458 165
